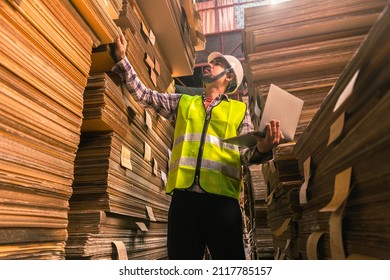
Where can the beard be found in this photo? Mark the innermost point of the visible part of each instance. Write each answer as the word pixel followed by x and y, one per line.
pixel 207 78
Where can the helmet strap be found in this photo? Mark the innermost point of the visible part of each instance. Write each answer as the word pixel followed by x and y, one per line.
pixel 207 80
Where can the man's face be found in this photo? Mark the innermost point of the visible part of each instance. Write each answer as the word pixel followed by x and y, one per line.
pixel 215 67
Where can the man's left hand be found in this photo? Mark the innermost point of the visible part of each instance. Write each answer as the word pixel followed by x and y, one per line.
pixel 273 137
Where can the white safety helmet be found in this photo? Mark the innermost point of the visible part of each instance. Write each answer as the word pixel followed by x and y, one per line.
pixel 235 65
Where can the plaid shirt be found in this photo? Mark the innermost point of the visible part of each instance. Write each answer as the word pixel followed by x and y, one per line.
pixel 166 105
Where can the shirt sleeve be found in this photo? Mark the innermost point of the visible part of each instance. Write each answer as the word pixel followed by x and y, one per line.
pixel 251 155
pixel 162 103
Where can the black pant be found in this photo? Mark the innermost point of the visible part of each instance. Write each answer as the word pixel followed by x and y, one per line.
pixel 197 220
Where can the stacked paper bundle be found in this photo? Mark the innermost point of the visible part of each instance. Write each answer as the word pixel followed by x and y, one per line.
pixel 248 214
pixel 143 50
pixel 121 169
pixel 104 181
pixel 100 16
pixel 48 51
pixel 283 179
pixel 262 233
pixel 178 23
pixel 45 60
pixel 343 156
pixel 302 48
pixel 122 161
pixel 104 235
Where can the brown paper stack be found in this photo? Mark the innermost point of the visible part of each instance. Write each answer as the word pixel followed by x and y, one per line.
pixel 302 48
pixel 144 52
pixel 122 161
pixel 169 23
pixel 346 201
pixel 45 60
pixel 98 229
pixel 100 16
pixel 120 169
pixel 282 177
pixel 103 182
pixel 262 234
pixel 248 215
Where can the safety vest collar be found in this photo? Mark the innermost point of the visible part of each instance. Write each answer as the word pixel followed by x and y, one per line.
pixel 220 97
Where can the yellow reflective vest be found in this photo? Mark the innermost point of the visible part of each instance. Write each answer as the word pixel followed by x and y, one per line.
pixel 198 153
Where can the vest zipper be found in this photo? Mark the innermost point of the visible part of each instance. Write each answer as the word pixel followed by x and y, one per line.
pixel 201 147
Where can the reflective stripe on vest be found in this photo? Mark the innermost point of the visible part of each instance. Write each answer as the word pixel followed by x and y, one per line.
pixel 209 164
pixel 209 138
pixel 220 165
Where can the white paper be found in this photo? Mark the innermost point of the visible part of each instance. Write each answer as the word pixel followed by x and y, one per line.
pixel 302 193
pixel 147 152
pixel 155 167
pixel 126 158
pixel 164 177
pixel 257 109
pixel 148 121
pixel 306 174
pixel 152 37
pixel 149 210
pixel 346 92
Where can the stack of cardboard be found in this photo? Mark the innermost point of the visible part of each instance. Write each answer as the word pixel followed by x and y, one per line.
pixel 248 215
pixel 302 48
pixel 262 233
pixel 283 179
pixel 100 17
pixel 172 23
pixel 45 60
pixel 48 51
pixel 100 233
pixel 195 24
pixel 143 50
pixel 343 156
pixel 103 181
pixel 122 162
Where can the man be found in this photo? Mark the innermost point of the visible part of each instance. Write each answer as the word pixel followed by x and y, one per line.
pixel 205 173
